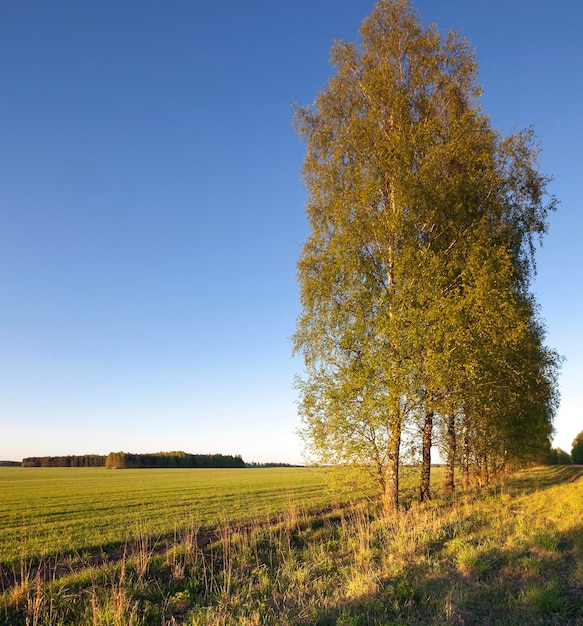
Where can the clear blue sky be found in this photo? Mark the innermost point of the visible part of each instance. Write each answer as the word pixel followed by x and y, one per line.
pixel 152 210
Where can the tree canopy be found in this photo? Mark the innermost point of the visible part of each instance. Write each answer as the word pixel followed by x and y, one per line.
pixel 577 450
pixel 417 324
pixel 128 460
pixel 71 460
pixel 559 457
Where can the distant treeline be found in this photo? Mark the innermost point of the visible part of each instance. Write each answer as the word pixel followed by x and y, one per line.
pixel 557 456
pixel 270 464
pixel 10 463
pixel 126 460
pixel 83 460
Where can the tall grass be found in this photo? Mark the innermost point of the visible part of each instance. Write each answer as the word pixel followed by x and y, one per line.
pixel 510 556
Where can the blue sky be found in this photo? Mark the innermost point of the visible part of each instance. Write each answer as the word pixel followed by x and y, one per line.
pixel 152 210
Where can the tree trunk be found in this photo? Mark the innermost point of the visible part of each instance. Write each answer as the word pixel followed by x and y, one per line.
pixel 425 493
pixel 451 450
pixel 466 461
pixel 484 478
pixel 391 495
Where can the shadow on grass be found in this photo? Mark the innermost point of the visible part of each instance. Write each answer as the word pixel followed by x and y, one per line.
pixel 531 585
pixel 477 560
pixel 542 478
pixel 471 575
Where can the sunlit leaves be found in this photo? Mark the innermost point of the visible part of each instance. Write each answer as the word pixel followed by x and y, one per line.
pixel 414 276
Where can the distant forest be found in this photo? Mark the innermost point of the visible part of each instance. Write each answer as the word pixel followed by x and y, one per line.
pixel 126 460
pixel 84 460
pixel 270 464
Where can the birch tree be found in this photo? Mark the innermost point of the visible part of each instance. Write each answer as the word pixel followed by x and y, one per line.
pixel 409 188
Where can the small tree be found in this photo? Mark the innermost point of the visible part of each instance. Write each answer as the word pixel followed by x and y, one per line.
pixel 577 450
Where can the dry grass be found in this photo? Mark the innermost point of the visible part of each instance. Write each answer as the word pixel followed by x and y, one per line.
pixel 513 556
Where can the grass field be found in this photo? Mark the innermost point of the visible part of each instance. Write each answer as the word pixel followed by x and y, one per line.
pixel 47 511
pixel 509 555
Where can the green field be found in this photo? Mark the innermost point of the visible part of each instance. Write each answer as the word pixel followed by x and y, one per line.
pixel 55 511
pixel 510 554
pixel 47 511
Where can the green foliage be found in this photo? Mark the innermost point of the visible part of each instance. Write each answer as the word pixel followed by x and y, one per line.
pixel 577 450
pixel 557 456
pixel 127 460
pixel 544 597
pixel 84 460
pixel 414 278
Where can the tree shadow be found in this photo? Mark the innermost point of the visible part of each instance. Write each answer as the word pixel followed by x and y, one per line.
pixel 542 478
pixel 533 584
pixel 472 577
